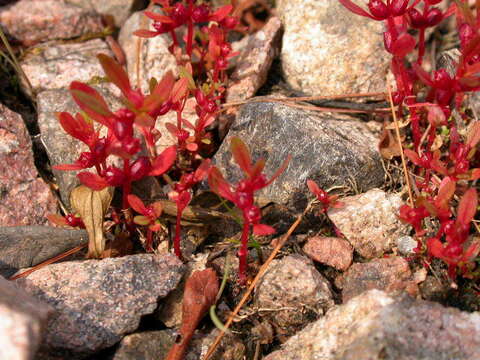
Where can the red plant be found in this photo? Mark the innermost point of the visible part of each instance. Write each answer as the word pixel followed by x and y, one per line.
pixel 243 195
pixel 444 162
pixel 322 196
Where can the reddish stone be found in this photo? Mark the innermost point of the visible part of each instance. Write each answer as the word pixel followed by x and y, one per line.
pixel 32 21
pixel 24 198
pixel 332 251
pixel 389 274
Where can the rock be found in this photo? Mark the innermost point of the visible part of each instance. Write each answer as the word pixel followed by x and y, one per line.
pixel 26 246
pixel 328 50
pixel 370 222
pixel 119 9
pixel 381 327
pixel 54 66
pixel 289 291
pixel 170 312
pixel 329 149
pixel 25 199
pixel 332 251
pixel 154 345
pixel 155 60
pixel 47 20
pixel 61 147
pixel 99 301
pixel 22 322
pixel 390 275
pixel 255 61
pixel 406 245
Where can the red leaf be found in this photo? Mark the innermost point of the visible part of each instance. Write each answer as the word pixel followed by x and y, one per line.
pixel 93 181
pixel 280 170
pixel 90 101
pixel 158 17
pixel 403 45
pixel 221 13
pixel 69 167
pixel 160 93
pixel 179 90
pixel 262 229
pixel 164 161
pixel 241 154
pixel 76 127
pixel 145 33
pixel 202 170
pixel 413 156
pixel 445 193
pixel 219 185
pixel 137 204
pixel 57 220
pixel 467 207
pixel 356 9
pixel 115 73
pixel 435 248
pixel 258 167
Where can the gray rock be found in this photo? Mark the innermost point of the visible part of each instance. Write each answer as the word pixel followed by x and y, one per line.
pixel 289 291
pixel 119 9
pixel 99 301
pixel 328 50
pixel 390 274
pixel 61 147
pixel 26 246
pixel 376 326
pixel 154 345
pixel 54 66
pixel 25 199
pixel 329 149
pixel 22 322
pixel 33 21
pixel 155 59
pixel 255 61
pixel 406 245
pixel 370 222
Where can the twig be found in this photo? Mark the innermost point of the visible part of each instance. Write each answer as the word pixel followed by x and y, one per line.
pixel 48 262
pixel 247 293
pixel 397 131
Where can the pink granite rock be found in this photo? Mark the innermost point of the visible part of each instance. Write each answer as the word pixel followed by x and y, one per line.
pixel 332 251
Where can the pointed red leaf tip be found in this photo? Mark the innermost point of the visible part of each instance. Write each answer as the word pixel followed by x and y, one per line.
pixel 241 154
pixel 356 9
pixel 145 33
pixel 313 187
pixel 90 101
pixel 137 204
pixel 179 90
pixel 263 230
pixel 219 185
pixel 115 73
pixel 158 17
pixel 160 93
pixel 164 161
pixel 202 170
pixel 445 193
pixel 467 207
pixel 221 13
pixel 69 167
pixel 76 126
pixel 93 181
pixel 280 170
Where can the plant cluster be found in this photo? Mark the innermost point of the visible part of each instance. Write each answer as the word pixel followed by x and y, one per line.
pixel 443 151
pixel 201 48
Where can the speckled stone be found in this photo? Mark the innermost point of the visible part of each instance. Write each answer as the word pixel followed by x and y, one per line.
pixel 333 150
pixel 55 65
pixel 376 326
pixel 22 322
pixel 25 199
pixel 328 50
pixel 288 292
pixel 120 10
pixel 98 301
pixel 332 251
pixel 370 222
pixel 32 21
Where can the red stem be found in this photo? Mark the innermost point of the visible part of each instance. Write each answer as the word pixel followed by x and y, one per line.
pixel 149 242
pixel 421 46
pixel 178 229
pixel 242 253
pixel 128 184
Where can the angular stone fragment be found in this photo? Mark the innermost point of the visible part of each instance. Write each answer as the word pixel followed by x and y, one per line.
pixel 61 147
pixel 33 21
pixel 26 246
pixel 54 66
pixel 329 149
pixel 22 322
pixel 254 61
pixel 119 9
pixel 370 222
pixel 332 251
pixel 376 326
pixel 154 61
pixel 25 199
pixel 389 274
pixel 327 50
pixel 99 301
pixel 288 290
